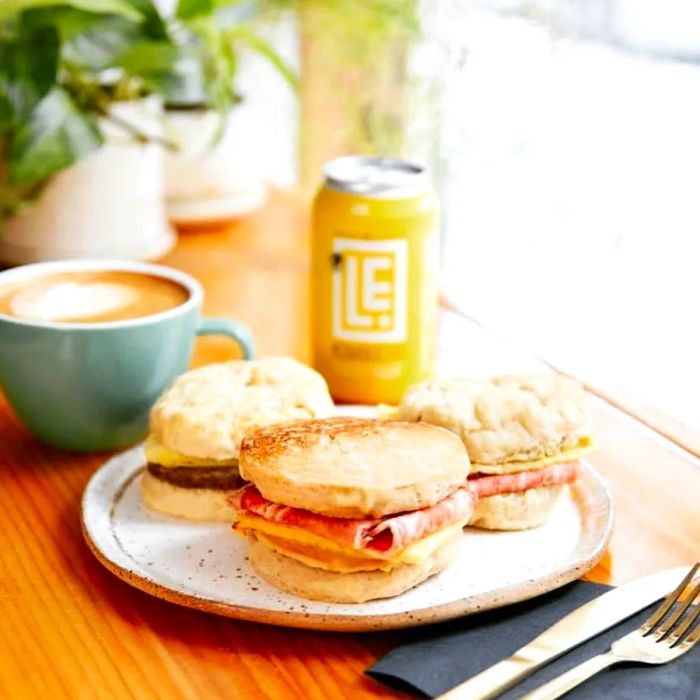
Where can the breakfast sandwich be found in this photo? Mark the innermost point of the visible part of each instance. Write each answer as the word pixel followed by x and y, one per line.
pixel 197 426
pixel 348 509
pixel 524 436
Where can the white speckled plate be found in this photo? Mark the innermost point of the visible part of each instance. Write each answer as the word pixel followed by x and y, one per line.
pixel 204 566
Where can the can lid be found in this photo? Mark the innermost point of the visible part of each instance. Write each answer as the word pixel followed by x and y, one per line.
pixel 375 176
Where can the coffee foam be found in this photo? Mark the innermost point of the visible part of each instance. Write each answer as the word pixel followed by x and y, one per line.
pixel 71 300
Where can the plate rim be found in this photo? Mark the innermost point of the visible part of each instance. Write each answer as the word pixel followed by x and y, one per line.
pixel 570 569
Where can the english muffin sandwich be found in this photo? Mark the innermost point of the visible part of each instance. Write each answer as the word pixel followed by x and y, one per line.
pixel 198 424
pixel 346 509
pixel 524 436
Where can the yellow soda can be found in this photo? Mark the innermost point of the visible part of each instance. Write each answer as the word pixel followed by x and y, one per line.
pixel 374 291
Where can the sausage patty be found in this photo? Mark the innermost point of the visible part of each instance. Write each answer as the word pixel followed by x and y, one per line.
pixel 198 477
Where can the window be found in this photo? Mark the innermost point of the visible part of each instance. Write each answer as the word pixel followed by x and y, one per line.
pixel 569 168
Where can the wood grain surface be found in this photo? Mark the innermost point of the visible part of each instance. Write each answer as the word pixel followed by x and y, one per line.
pixel 69 629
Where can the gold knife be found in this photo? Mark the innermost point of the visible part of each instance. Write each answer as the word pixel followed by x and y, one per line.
pixel 585 622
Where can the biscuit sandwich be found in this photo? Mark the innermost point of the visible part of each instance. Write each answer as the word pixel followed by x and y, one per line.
pixel 524 435
pixel 197 426
pixel 347 509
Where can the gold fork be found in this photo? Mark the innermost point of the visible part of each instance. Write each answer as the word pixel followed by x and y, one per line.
pixel 659 640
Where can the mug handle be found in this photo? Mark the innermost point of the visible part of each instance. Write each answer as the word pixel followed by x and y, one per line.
pixel 232 329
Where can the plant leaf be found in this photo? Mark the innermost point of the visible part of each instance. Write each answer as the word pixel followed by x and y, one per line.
pixel 113 7
pixel 264 48
pixel 94 41
pixel 150 56
pixel 55 136
pixel 157 64
pixel 28 67
pixel 185 85
pixel 188 9
pixel 7 114
pixel 153 24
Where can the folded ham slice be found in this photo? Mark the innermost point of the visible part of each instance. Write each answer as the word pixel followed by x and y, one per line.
pixel 485 485
pixel 385 535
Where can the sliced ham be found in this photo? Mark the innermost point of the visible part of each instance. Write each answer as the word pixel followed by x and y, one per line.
pixel 384 535
pixel 485 485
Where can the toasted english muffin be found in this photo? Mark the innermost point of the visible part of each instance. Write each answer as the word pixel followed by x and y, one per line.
pixel 507 420
pixel 354 467
pixel 294 577
pixel 207 411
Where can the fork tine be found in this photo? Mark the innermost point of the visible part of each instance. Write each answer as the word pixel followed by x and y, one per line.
pixel 668 626
pixel 651 623
pixel 685 632
pixel 694 636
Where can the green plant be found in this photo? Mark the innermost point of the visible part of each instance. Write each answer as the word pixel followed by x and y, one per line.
pixel 63 63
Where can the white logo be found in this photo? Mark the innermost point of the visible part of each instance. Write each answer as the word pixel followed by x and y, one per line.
pixel 370 290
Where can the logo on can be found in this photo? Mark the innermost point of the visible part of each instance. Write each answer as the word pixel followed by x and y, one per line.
pixel 370 290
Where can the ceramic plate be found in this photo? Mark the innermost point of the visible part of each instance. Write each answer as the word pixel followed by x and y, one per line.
pixel 204 566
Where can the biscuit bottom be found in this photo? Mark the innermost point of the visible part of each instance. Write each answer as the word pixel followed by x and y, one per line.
pixel 517 511
pixel 299 579
pixel 185 502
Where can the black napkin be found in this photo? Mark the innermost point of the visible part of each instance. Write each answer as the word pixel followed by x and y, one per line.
pixel 442 656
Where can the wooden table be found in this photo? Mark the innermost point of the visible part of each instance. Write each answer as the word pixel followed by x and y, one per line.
pixel 69 629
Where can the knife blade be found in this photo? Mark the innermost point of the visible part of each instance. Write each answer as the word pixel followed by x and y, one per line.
pixel 589 620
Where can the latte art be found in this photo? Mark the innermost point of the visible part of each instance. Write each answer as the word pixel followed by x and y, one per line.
pixel 71 300
pixel 90 297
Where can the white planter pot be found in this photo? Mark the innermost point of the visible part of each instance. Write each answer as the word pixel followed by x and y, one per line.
pixel 208 180
pixel 109 205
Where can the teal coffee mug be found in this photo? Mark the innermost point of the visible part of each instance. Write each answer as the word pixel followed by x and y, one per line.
pixel 90 385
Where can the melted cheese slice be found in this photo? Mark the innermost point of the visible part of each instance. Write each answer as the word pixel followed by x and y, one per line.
pixel 319 558
pixel 159 454
pixel 320 552
pixel 421 550
pixel 585 445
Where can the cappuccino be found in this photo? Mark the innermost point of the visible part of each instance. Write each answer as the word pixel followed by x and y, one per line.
pixel 93 296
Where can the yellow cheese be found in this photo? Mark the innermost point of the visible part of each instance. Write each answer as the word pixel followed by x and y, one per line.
pixel 159 454
pixel 585 445
pixel 421 550
pixel 412 554
pixel 297 534
pixel 319 558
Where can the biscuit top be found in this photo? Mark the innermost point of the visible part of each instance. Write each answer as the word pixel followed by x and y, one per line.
pixel 512 418
pixel 343 455
pixel 207 411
